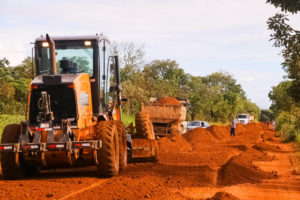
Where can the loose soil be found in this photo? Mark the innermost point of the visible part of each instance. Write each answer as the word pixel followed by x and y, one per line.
pixel 204 164
pixel 167 101
pixel 223 196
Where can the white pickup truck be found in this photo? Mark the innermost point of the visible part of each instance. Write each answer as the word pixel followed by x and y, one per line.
pixel 244 118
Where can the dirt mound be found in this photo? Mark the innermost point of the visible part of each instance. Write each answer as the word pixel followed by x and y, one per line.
pixel 167 101
pixel 190 149
pixel 269 134
pixel 198 147
pixel 266 147
pixel 239 169
pixel 174 150
pixel 240 127
pixel 255 127
pixel 223 196
pixel 215 148
pixel 176 144
pixel 199 135
pixel 220 132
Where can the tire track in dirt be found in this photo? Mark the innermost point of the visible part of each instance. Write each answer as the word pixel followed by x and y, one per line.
pixel 83 190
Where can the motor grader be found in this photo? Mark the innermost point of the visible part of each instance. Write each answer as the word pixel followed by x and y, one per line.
pixel 74 111
pixel 158 119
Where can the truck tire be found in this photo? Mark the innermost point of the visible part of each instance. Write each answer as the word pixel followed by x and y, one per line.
pixel 122 145
pixel 108 155
pixel 144 127
pixel 10 170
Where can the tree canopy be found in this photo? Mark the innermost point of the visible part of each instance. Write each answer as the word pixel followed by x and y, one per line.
pixel 216 97
pixel 292 6
pixel 14 83
pixel 285 96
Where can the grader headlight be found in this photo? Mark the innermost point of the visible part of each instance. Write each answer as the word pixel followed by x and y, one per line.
pixel 87 43
pixel 45 44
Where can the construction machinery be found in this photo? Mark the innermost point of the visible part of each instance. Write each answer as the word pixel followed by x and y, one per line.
pixel 167 115
pixel 144 147
pixel 73 113
pixel 163 117
pixel 245 118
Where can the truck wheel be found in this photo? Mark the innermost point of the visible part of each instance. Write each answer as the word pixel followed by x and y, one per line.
pixel 122 145
pixel 10 170
pixel 108 155
pixel 144 127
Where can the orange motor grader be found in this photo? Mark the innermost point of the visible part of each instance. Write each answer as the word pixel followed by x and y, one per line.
pixel 73 113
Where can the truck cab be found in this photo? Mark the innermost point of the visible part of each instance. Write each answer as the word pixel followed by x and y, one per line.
pixel 244 118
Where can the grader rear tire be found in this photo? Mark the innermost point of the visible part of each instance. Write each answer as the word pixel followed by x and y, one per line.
pixel 144 127
pixel 108 155
pixel 10 170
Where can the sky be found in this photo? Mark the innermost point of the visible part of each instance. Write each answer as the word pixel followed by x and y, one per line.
pixel 203 36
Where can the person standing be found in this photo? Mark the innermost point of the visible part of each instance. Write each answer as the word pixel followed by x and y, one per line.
pixel 233 127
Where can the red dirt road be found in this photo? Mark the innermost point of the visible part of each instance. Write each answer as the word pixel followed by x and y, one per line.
pixel 203 164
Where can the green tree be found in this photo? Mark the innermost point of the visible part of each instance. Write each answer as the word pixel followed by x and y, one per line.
pixel 292 6
pixel 14 85
pixel 250 108
pixel 231 96
pixel 24 70
pixel 4 63
pixel 288 39
pixel 280 98
pixel 165 78
pixel 217 97
pixel 266 115
pixel 286 96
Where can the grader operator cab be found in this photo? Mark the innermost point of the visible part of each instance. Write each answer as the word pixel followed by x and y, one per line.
pixel 73 113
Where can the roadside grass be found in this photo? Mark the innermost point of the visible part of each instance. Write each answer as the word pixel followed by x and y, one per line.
pixel 9 119
pixel 127 119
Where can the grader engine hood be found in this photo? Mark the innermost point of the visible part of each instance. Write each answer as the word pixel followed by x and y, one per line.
pixel 70 98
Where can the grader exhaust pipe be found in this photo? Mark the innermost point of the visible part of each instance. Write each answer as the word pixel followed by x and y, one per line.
pixel 52 55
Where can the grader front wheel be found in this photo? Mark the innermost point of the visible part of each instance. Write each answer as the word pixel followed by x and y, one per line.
pixel 10 170
pixel 108 155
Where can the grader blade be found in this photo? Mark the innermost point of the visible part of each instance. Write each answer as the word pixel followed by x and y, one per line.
pixel 144 150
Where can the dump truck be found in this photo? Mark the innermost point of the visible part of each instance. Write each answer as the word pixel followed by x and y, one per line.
pixel 163 117
pixel 74 111
pixel 167 115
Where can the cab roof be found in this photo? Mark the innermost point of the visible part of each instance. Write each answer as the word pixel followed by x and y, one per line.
pixel 70 38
